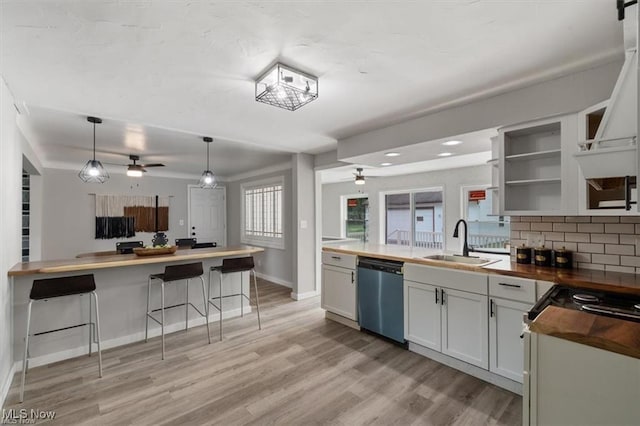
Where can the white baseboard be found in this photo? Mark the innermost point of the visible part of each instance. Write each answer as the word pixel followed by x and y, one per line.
pixel 4 391
pixel 274 280
pixel 154 331
pixel 342 320
pixel 472 370
pixel 300 296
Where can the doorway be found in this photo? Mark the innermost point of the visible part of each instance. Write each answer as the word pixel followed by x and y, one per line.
pixel 207 215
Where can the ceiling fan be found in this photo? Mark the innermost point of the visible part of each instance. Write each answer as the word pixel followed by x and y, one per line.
pixel 359 176
pixel 134 169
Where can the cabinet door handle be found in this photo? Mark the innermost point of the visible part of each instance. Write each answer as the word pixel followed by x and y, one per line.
pixel 491 312
pixel 436 293
pixel 353 277
pixel 336 257
pixel 442 299
pixel 510 285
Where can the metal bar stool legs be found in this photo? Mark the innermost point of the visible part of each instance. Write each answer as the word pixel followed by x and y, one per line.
pixel 58 287
pixel 171 274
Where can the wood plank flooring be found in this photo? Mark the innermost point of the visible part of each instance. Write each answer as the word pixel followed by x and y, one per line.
pixel 300 369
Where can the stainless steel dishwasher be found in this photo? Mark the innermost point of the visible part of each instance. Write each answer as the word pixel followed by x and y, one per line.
pixel 380 298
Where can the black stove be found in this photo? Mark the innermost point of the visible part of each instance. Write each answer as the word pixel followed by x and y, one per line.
pixel 597 302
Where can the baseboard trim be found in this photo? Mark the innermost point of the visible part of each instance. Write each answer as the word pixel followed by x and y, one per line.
pixel 301 296
pixel 154 331
pixel 472 370
pixel 342 320
pixel 274 280
pixel 7 385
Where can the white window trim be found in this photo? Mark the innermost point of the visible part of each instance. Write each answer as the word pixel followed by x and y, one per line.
pixel 270 242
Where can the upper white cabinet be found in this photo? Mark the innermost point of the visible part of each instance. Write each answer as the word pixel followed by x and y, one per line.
pixel 538 173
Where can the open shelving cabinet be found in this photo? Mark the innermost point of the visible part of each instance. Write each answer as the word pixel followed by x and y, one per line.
pixel 538 176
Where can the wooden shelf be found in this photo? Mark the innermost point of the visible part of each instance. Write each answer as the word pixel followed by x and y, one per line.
pixel 534 155
pixel 532 181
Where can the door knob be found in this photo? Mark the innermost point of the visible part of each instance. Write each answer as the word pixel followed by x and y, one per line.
pixel 193 233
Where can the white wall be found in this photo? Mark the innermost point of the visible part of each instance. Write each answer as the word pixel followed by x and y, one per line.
pixel 274 264
pixel 450 180
pixel 68 219
pixel 304 265
pixel 10 225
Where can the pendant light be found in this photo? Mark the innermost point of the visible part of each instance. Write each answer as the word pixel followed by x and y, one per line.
pixel 208 179
pixel 93 172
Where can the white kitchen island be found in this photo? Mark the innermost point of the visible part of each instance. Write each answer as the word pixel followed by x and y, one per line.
pixel 121 282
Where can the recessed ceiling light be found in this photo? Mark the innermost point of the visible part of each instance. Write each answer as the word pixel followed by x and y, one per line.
pixel 392 154
pixel 386 164
pixel 445 154
pixel 451 143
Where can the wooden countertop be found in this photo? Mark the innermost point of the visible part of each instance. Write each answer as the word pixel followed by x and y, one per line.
pixel 610 281
pixel 602 332
pixel 116 261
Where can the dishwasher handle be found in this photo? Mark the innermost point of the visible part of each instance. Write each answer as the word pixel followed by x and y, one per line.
pixel 389 266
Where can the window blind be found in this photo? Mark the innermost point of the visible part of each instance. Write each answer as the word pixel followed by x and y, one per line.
pixel 263 212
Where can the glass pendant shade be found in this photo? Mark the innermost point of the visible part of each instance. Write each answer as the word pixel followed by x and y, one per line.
pixel 208 179
pixel 93 171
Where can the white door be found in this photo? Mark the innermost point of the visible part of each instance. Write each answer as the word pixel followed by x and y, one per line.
pixel 339 291
pixel 207 215
pixel 422 315
pixel 465 333
pixel 506 350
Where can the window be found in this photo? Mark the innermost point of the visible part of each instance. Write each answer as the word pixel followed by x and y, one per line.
pixel 262 211
pixel 487 231
pixel 414 218
pixel 356 222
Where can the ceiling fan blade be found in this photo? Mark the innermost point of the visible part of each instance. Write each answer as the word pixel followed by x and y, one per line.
pixel 114 164
pixel 153 165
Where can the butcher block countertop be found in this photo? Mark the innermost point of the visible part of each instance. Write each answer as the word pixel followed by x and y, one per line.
pixel 602 332
pixel 585 278
pixel 99 261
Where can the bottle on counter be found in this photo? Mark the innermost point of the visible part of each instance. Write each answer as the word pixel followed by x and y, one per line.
pixel 542 256
pixel 523 254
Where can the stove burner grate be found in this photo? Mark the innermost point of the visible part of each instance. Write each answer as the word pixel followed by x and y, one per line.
pixel 585 298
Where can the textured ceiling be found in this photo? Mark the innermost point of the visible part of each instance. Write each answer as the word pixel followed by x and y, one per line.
pixel 189 66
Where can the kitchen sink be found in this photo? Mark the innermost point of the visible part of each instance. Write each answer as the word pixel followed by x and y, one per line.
pixel 467 260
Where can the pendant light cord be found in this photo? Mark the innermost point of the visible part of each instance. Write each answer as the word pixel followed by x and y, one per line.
pixel 94 141
pixel 208 155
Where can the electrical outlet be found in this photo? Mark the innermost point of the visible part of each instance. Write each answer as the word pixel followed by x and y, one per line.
pixel 181 222
pixel 535 239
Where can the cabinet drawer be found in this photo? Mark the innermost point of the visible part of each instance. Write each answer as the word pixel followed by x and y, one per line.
pixel 339 259
pixel 519 289
pixel 473 282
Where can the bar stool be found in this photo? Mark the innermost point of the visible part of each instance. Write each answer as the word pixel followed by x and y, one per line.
pixel 238 264
pixel 172 274
pixel 50 288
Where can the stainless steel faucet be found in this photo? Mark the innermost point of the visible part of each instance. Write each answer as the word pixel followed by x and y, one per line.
pixel 465 247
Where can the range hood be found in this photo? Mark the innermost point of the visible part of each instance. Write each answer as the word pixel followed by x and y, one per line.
pixel 613 150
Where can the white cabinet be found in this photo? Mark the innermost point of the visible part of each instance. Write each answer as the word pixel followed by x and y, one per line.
pixel 422 315
pixel 506 347
pixel 509 299
pixel 464 326
pixel 442 316
pixel 339 294
pixel 538 174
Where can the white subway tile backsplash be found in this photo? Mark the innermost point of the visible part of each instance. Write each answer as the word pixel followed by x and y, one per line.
pixel 602 243
pixel 619 228
pixel 520 226
pixel 542 226
pixel 578 238
pixel 614 268
pixel 605 259
pixel 590 248
pixel 605 219
pixel 620 249
pixel 604 238
pixel 577 219
pixel 591 227
pixel 630 261
pixel 564 227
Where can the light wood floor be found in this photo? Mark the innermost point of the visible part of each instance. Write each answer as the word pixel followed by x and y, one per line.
pixel 300 369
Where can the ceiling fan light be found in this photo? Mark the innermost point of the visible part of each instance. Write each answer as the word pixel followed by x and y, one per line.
pixel 134 172
pixel 359 180
pixel 93 172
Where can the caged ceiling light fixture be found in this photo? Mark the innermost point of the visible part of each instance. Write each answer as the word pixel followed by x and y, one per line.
pixel 93 171
pixel 286 87
pixel 208 179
